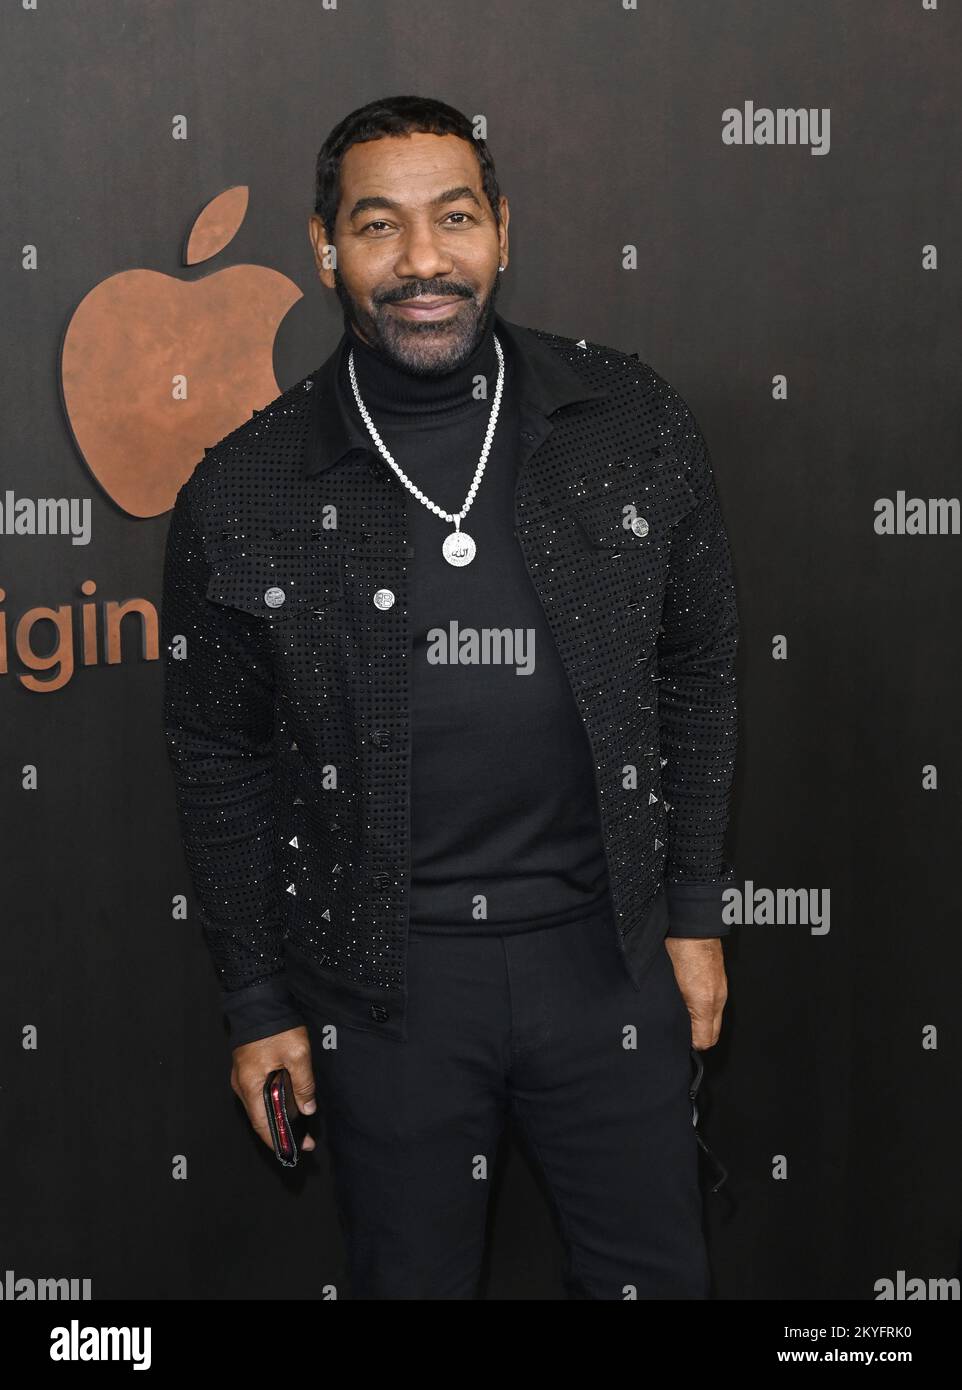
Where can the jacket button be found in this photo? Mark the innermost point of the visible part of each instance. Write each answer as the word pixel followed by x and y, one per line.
pixel 379 1013
pixel 383 598
pixel 640 526
pixel 274 597
pixel 381 738
pixel 381 880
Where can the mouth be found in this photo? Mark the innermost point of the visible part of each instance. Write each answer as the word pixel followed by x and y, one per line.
pixel 424 307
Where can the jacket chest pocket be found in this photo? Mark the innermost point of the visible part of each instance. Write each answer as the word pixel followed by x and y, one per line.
pixel 635 518
pixel 283 584
pixel 290 598
pixel 622 544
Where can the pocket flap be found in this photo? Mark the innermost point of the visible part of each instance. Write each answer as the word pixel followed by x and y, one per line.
pixel 634 513
pixel 274 582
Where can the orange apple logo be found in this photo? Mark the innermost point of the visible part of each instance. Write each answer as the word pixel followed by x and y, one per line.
pixel 155 370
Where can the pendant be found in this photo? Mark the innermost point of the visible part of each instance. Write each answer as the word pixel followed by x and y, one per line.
pixel 458 548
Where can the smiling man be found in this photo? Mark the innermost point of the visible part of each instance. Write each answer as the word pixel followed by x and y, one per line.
pixel 437 893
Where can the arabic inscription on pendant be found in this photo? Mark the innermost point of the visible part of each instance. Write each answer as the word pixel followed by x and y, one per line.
pixel 458 548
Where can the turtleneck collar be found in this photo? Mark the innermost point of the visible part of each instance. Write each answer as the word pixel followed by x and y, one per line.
pixel 389 390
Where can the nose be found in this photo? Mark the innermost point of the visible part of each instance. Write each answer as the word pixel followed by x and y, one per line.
pixel 422 256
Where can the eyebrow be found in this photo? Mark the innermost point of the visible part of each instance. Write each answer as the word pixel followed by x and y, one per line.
pixel 450 195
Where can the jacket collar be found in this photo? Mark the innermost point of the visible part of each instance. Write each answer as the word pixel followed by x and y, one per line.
pixel 545 383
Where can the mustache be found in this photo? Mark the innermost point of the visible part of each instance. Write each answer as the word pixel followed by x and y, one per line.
pixel 430 290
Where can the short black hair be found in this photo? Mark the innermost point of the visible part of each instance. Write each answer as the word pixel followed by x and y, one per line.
pixel 394 116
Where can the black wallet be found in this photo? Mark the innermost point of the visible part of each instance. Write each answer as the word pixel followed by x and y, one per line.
pixel 285 1122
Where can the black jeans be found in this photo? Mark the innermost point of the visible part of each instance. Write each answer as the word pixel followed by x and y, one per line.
pixel 546 1024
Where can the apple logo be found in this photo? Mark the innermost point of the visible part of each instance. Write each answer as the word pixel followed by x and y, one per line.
pixel 154 370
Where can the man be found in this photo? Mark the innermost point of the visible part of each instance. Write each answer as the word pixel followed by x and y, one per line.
pixel 450 704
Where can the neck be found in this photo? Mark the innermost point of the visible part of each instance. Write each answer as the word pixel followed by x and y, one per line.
pixel 388 389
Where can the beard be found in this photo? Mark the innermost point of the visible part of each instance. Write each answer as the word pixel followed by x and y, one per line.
pixel 424 349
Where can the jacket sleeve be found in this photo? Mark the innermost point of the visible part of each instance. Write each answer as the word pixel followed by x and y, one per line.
pixel 219 731
pixel 697 696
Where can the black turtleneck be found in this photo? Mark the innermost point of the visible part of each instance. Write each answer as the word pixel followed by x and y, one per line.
pixel 504 821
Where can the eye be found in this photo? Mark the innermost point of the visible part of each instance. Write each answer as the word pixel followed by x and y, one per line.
pixel 377 223
pixel 465 215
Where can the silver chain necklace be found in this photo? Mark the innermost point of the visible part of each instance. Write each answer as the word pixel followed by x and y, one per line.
pixel 458 548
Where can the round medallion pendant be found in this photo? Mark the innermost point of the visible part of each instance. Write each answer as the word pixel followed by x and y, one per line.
pixel 458 548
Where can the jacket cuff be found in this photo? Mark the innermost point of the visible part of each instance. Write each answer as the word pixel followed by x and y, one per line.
pixel 695 909
pixel 260 1011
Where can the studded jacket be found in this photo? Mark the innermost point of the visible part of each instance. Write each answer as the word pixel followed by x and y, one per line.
pixel 286 675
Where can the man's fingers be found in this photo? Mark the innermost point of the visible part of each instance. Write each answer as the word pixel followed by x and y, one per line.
pixel 706 1028
pixel 302 1080
pixel 252 1063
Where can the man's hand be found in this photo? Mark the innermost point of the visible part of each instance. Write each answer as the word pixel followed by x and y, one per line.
pixel 252 1062
pixel 699 968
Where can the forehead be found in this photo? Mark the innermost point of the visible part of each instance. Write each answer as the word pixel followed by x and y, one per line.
pixel 408 168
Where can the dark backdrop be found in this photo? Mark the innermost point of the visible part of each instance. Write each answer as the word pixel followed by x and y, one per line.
pixel 606 125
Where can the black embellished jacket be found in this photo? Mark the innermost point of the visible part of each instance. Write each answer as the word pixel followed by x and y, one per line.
pixel 286 649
